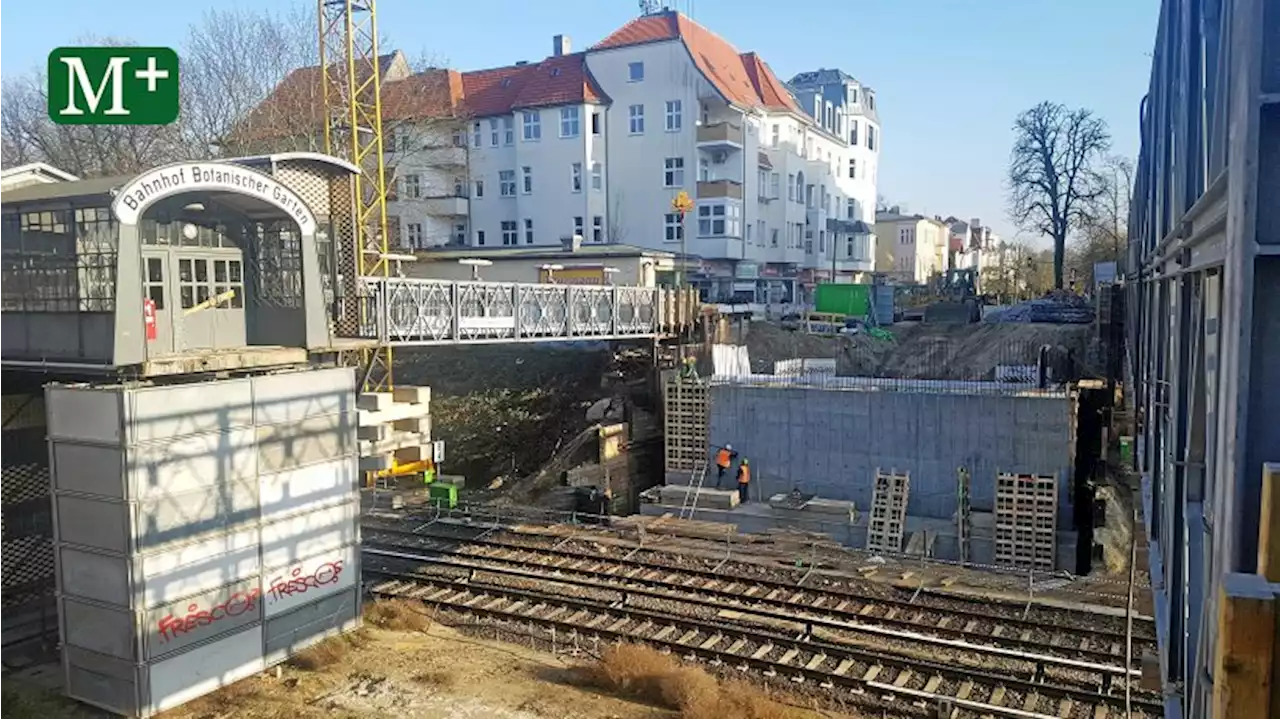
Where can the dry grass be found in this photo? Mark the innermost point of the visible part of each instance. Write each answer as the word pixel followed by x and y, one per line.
pixel 328 652
pixel 650 676
pixel 436 679
pixel 399 615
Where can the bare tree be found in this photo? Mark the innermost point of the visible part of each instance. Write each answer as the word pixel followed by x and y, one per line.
pixel 617 230
pixel 1053 179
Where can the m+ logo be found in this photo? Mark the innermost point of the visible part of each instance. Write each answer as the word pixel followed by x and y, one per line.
pixel 113 85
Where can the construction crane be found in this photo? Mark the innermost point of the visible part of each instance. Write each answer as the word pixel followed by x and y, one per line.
pixel 351 79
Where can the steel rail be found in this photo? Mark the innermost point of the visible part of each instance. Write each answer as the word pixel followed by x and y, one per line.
pixel 610 619
pixel 782 609
pixel 487 538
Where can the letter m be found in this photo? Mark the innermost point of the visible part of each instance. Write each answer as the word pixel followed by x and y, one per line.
pixel 78 79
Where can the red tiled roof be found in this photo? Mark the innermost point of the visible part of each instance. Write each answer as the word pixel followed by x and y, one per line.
pixel 743 79
pixel 557 80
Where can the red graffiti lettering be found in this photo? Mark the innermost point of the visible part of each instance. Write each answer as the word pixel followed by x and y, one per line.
pixel 297 583
pixel 239 603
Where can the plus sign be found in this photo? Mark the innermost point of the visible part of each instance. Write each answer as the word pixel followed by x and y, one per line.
pixel 151 74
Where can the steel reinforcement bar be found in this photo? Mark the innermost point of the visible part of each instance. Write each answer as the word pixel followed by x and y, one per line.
pixel 875 675
pixel 962 620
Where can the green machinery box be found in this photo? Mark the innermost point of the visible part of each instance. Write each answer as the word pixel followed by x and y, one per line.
pixel 443 495
pixel 842 299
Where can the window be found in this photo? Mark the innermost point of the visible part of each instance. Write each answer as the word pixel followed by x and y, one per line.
pixel 459 187
pixel 413 234
pixel 404 140
pixel 479 194
pixel 636 117
pixel 704 170
pixel 853 168
pixel 570 123
pixel 822 241
pixel 507 183
pixel 597 176
pixel 528 231
pixel 526 174
pixel 850 209
pixel 460 234
pixel 853 133
pixel 674 228
pixel 155 281
pixel 635 72
pixel 760 232
pixel 532 126
pixel 719 220
pixel 578 227
pixel 480 237
pixel 871 136
pixel 196 285
pixel 595 124
pixel 762 182
pixel 871 103
pixel 674 119
pixel 509 236
pixel 773 136
pixel 475 135
pixel 227 279
pixel 848 246
pixel 773 237
pixel 791 187
pixel 508 131
pixel 412 186
pixel 747 239
pixel 575 177
pixel 597 229
pixel 906 236
pixel 673 176
pixel 853 96
pixel 775 182
pixel 493 132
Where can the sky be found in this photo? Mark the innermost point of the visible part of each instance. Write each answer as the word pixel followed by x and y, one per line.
pixel 950 75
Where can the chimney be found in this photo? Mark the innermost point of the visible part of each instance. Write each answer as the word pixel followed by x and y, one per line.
pixel 895 210
pixel 975 223
pixel 571 243
pixel 561 45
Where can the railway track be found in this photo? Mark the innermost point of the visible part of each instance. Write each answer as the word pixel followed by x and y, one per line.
pixel 941 618
pixel 911 686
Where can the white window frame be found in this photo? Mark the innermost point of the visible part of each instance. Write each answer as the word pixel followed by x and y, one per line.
pixel 673 172
pixel 775 184
pixel 413 234
pixel 673 228
pixel 674 116
pixel 508 131
pixel 476 135
pixel 480 238
pixel 570 121
pixel 531 121
pixel 791 187
pixel 853 133
pixel 479 190
pixel 635 119
pixel 460 233
pixel 526 180
pixel 597 228
pixel 493 132
pixel 528 230
pixel 579 226
pixel 575 177
pixel 507 183
pixel 853 168
pixel 720 218
pixel 597 122
pixel 597 176
pixel 635 72
pixel 510 233
pixel 412 186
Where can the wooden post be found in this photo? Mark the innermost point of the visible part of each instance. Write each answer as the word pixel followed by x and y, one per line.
pixel 1246 646
pixel 1269 524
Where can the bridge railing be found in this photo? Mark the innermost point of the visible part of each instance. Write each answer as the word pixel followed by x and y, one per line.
pixel 407 312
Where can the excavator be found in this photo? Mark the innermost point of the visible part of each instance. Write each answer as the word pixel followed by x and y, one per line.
pixel 958 300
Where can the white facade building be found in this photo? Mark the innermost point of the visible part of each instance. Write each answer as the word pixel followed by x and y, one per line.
pixel 598 143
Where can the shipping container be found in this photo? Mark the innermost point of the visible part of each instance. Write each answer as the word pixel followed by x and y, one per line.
pixel 202 531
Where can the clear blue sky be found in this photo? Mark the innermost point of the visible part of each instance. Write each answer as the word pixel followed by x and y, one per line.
pixel 950 74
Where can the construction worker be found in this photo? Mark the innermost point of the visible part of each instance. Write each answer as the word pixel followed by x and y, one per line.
pixel 744 479
pixel 724 459
pixel 689 368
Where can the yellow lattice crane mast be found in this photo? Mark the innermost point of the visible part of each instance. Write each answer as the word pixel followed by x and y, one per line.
pixel 351 79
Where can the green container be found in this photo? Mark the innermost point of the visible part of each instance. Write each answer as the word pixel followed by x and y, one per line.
pixel 443 495
pixel 840 299
pixel 1126 449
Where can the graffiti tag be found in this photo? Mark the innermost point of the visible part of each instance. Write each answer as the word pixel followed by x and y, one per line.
pixel 298 583
pixel 235 605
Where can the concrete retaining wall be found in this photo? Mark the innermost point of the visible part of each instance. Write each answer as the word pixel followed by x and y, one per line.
pixel 830 441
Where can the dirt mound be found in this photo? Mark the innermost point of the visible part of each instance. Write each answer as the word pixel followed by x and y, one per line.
pixel 920 351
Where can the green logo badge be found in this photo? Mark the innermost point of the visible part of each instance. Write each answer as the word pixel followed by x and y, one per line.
pixel 113 85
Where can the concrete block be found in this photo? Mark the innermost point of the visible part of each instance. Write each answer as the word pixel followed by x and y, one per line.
pixel 416 424
pixel 397 411
pixel 417 453
pixel 412 395
pixel 396 440
pixel 374 432
pixel 373 463
pixel 707 498
pixel 374 401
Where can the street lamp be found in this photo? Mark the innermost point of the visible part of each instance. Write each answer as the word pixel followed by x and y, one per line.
pixel 682 205
pixel 475 264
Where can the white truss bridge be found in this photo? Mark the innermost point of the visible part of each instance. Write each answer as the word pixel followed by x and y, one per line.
pixel 416 312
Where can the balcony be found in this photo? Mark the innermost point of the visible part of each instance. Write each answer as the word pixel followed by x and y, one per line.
pixel 449 206
pixel 712 189
pixel 719 136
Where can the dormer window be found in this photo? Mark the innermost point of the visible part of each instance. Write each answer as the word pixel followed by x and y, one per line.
pixel 506 82
pixel 555 72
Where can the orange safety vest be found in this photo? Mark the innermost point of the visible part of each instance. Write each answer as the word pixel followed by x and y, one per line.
pixel 744 474
pixel 723 458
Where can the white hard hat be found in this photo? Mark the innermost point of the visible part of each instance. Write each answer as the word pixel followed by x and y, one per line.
pixel 728 446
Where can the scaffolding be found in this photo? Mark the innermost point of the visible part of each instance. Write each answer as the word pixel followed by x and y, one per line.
pixel 686 411
pixel 888 518
pixel 1027 521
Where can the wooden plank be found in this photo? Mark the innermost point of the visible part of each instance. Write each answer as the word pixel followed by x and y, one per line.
pixel 1269 524
pixel 1246 637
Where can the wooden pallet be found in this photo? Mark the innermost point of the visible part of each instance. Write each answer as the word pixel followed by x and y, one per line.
pixel 686 405
pixel 1026 531
pixel 888 517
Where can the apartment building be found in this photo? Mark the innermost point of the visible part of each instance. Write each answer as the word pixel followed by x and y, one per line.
pixel 598 143
pixel 911 248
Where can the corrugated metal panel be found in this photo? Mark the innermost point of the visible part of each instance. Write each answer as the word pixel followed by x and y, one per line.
pixel 310 534
pixel 191 674
pixel 307 580
pixel 306 489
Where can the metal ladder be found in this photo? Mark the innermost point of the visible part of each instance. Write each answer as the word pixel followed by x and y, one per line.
pixel 695 488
